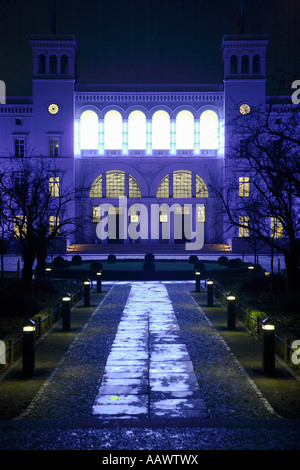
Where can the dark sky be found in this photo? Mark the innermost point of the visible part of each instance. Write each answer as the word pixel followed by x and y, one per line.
pixel 146 41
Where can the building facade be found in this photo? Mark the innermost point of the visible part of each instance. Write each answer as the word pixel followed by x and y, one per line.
pixel 146 146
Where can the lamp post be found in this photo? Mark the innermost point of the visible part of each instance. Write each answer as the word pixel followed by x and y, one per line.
pixel 86 285
pixel 197 274
pixel 210 291
pixel 230 311
pixel 66 315
pixel 99 278
pixel 268 358
pixel 28 348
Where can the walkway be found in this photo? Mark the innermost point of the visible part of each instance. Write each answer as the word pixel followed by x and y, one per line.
pixel 147 371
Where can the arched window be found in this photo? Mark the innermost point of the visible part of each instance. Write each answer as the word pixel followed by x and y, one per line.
pixel 161 131
pixel 113 131
pixel 89 130
pixel 182 184
pixel 233 64
pixel 184 131
pixel 163 189
pixel 137 131
pixel 134 189
pixel 64 64
pixel 245 64
pixel 42 64
pixel 256 64
pixel 53 64
pixel 96 189
pixel 115 183
pixel 208 130
pixel 201 188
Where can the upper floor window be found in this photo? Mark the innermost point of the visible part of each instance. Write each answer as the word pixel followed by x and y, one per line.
pixel 54 186
pixel 244 226
pixel 137 131
pixel 276 228
pixel 209 130
pixel 244 186
pixel 161 131
pixel 185 131
pixel 89 130
pixel 113 131
pixel 54 147
pixel 53 224
pixel 20 147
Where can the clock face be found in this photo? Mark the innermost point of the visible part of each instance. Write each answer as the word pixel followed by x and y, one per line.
pixel 53 108
pixel 244 108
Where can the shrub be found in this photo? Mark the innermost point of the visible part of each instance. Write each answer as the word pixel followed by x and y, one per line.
pixel 149 267
pixel 193 259
pixel 111 259
pixel 223 261
pixel 200 265
pixel 76 260
pixel 60 262
pixel 234 263
pixel 95 266
pixel 149 257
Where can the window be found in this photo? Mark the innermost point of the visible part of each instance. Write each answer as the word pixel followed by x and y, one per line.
pixel 276 228
pixel 89 130
pixel 245 64
pixel 201 188
pixel 137 131
pixel 113 131
pixel 209 130
pixel 96 189
pixel 18 122
pixel 115 184
pixel 96 214
pixel 244 226
pixel 233 64
pixel 161 132
pixel 244 184
pixel 20 147
pixel 64 64
pixel 53 224
pixel 54 147
pixel 185 131
pixel 54 186
pixel 42 64
pixel 182 184
pixel 243 148
pixel 20 226
pixel 163 190
pixel 53 64
pixel 133 187
pixel 256 64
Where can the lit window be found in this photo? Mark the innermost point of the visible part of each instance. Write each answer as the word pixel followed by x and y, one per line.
pixel 54 186
pixel 163 215
pixel 133 187
pixel 53 224
pixel 53 147
pixel 137 131
pixel 134 216
pixel 163 188
pixel 244 226
pixel 200 213
pixel 161 130
pixel 19 147
pixel 115 184
pixel 113 131
pixel 19 226
pixel 182 184
pixel 201 188
pixel 185 131
pixel 209 130
pixel 89 130
pixel 244 185
pixel 276 228
pixel 96 213
pixel 96 189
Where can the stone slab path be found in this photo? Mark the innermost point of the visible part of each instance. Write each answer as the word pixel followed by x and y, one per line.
pixel 149 372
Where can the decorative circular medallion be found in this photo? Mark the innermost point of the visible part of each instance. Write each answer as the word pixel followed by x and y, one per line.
pixel 53 108
pixel 244 108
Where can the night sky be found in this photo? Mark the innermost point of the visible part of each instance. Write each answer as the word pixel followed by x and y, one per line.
pixel 146 41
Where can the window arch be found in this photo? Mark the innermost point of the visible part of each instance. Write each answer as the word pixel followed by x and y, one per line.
pixel 163 189
pixel 134 189
pixel 89 130
pixel 53 64
pixel 233 64
pixel 245 64
pixel 64 64
pixel 113 130
pixel 96 188
pixel 137 131
pixel 209 130
pixel 161 130
pixel 256 64
pixel 115 185
pixel 184 130
pixel 182 185
pixel 42 63
pixel 201 188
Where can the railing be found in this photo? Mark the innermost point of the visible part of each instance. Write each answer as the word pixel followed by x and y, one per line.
pixel 14 344
pixel 283 341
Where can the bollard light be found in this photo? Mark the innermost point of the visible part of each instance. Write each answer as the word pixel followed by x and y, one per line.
pixel 66 315
pixel 48 272
pixel 230 311
pixel 197 274
pixel 86 285
pixel 210 292
pixel 99 279
pixel 250 268
pixel 28 348
pixel 268 359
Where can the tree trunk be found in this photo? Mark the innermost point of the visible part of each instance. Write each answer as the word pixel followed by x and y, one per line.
pixel 292 268
pixel 27 272
pixel 41 256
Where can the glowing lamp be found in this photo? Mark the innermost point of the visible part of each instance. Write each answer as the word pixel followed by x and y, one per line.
pixel 230 311
pixel 268 349
pixel 209 282
pixel 28 348
pixel 250 268
pixel 99 276
pixel 210 296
